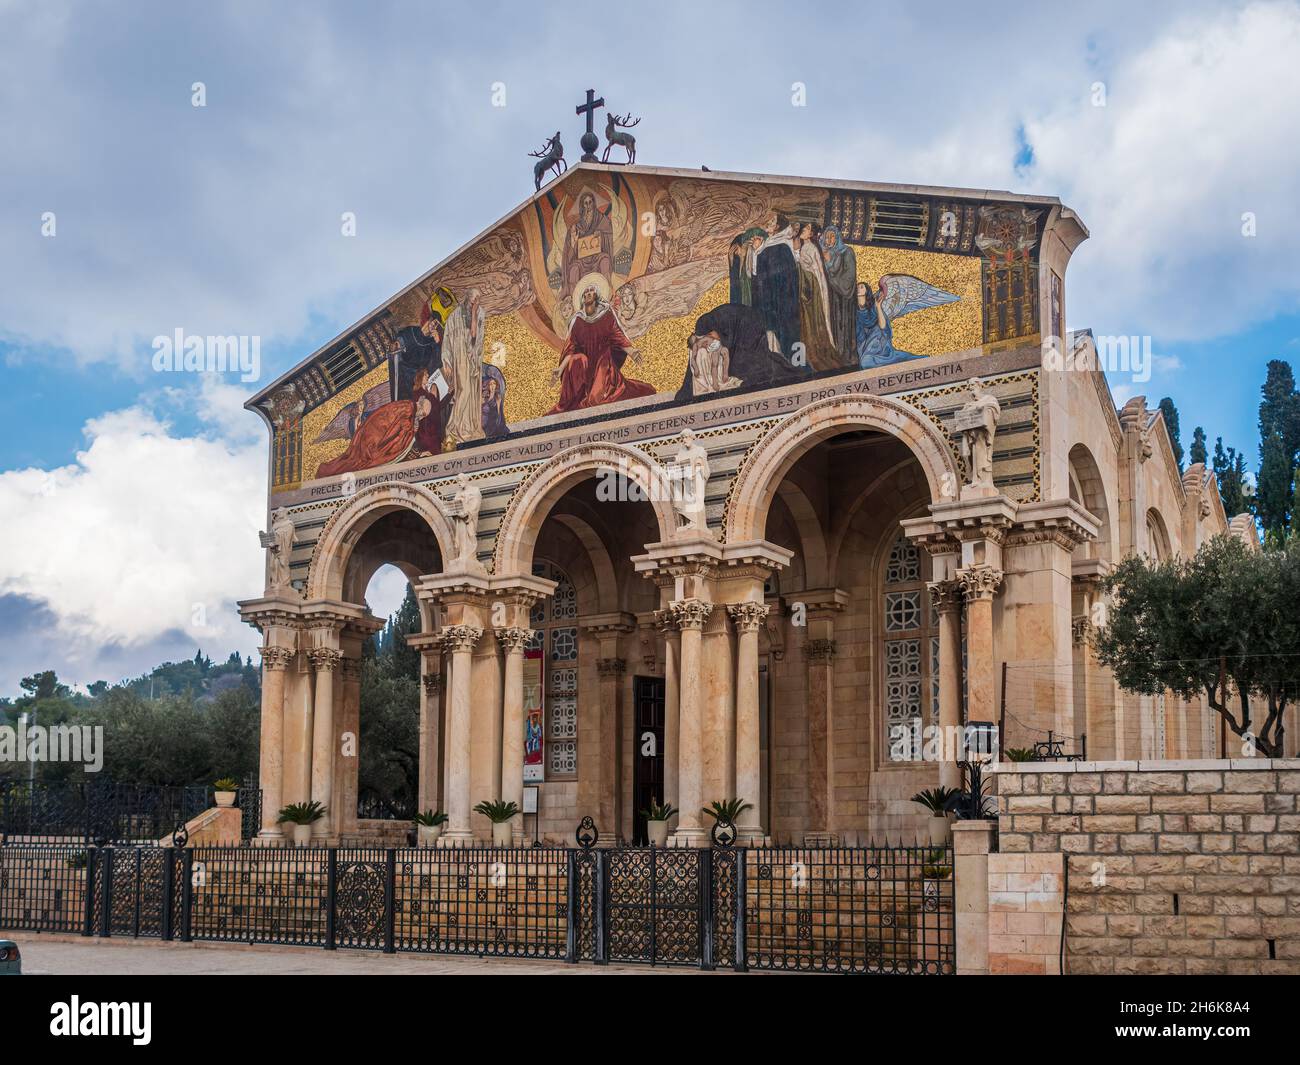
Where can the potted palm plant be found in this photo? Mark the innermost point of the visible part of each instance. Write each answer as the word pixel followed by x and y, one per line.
pixel 727 810
pixel 937 801
pixel 302 815
pixel 429 826
pixel 500 814
pixel 656 821
pixel 225 790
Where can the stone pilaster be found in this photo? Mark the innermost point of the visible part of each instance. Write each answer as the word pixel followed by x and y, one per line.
pixel 947 598
pixel 747 617
pixel 513 641
pixel 459 642
pixel 324 662
pixel 275 660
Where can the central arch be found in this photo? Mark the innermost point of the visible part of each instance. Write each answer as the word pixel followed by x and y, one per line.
pixel 768 462
pixel 532 501
pixel 328 575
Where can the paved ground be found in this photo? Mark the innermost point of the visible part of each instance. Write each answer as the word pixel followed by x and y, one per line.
pixel 75 956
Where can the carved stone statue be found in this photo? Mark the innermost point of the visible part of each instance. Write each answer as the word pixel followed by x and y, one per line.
pixel 690 475
pixel 279 546
pixel 977 423
pixel 463 511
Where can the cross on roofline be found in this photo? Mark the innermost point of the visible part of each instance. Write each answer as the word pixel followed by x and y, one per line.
pixel 589 139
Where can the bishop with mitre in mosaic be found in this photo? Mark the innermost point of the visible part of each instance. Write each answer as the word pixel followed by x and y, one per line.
pixel 591 366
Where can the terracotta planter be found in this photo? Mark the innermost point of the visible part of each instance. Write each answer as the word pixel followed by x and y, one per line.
pixel 225 798
pixel 940 831
pixel 301 835
pixel 658 833
pixel 429 834
pixel 501 834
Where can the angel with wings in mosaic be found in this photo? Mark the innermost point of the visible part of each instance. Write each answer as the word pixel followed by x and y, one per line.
pixel 896 295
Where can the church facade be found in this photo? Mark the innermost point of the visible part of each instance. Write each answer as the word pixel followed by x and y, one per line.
pixel 716 486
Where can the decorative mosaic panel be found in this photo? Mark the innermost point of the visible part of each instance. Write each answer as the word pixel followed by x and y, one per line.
pixel 482 349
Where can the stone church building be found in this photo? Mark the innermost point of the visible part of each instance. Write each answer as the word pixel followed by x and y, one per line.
pixel 716 485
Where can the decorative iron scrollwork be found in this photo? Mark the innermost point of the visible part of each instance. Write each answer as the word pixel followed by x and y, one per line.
pixel 181 836
pixel 723 833
pixel 587 833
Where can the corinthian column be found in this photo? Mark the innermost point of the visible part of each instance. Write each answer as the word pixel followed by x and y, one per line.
pixel 979 584
pixel 324 660
pixel 947 598
pixel 513 641
pixel 460 641
pixel 690 616
pixel 275 660
pixel 672 700
pixel 747 617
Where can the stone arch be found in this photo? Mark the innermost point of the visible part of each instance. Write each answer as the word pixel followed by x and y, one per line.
pixel 771 458
pixel 329 561
pixel 1087 482
pixel 532 501
pixel 844 522
pixel 1159 545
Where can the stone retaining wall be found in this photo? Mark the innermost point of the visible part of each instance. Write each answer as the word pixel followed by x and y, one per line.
pixel 1171 867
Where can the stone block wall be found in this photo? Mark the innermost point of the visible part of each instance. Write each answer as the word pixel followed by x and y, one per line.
pixel 1170 866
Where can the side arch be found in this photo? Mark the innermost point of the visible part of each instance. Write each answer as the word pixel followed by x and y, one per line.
pixel 346 526
pixel 533 499
pixel 771 458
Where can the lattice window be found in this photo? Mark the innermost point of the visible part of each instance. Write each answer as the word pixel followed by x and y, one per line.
pixel 557 638
pixel 911 652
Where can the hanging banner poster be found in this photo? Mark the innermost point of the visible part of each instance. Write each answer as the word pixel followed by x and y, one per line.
pixel 533 766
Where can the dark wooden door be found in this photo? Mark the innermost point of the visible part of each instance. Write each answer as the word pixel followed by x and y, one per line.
pixel 647 751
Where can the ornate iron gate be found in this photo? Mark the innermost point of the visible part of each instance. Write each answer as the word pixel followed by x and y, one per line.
pixel 654 905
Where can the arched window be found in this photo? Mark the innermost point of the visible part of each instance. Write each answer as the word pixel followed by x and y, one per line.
pixel 911 652
pixel 556 643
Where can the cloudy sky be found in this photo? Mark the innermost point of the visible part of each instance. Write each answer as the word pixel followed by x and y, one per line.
pixel 130 499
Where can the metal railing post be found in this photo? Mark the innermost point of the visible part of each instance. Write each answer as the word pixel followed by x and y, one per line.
pixel 106 912
pixel 88 927
pixel 572 917
pixel 187 895
pixel 168 892
pixel 331 893
pixel 740 886
pixel 601 941
pixel 390 894
pixel 706 909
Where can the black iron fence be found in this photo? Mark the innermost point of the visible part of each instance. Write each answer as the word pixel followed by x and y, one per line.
pixel 840 909
pixel 104 811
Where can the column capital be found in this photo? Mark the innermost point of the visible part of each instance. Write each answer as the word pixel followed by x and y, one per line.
pixel 350 668
pixel 276 657
pixel 747 617
pixel 819 650
pixel 512 640
pixel 432 683
pixel 979 582
pixel 690 613
pixel 945 595
pixel 325 659
pixel 460 637
pixel 1081 629
pixel 611 667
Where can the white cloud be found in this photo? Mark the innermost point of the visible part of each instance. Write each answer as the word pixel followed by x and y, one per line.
pixel 146 534
pixel 1201 127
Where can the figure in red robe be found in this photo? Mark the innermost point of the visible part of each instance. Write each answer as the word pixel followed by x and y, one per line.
pixel 397 430
pixel 591 366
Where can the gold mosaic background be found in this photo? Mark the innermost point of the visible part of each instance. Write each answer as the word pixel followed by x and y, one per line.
pixel 935 330
pixel 314 422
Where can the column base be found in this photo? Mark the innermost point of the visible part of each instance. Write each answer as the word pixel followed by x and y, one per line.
pixel 690 837
pixel 269 837
pixel 457 838
pixel 752 836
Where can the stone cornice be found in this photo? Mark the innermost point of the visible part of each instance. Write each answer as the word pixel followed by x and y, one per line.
pixel 605 624
pixel 1060 521
pixel 986 518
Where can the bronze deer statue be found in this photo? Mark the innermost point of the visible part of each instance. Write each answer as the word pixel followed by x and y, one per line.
pixel 613 136
pixel 551 157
